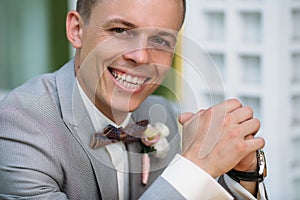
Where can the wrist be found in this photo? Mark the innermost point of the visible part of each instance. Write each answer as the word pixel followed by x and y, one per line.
pixel 256 176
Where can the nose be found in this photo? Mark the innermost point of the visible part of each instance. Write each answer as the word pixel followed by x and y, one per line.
pixel 139 54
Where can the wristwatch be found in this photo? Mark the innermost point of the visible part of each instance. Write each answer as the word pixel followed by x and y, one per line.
pixel 257 176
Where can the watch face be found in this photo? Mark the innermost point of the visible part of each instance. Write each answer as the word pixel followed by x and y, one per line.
pixel 262 166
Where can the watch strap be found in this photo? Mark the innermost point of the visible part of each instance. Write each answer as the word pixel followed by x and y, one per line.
pixel 245 176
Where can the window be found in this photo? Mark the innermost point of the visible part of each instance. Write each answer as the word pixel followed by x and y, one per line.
pixel 251 27
pixel 215 26
pixel 296 149
pixel 296 67
pixel 296 25
pixel 219 61
pixel 251 69
pixel 296 185
pixel 296 110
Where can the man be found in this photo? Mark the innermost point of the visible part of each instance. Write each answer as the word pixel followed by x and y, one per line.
pixel 124 48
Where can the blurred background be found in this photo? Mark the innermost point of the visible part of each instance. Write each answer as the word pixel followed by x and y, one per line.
pixel 254 46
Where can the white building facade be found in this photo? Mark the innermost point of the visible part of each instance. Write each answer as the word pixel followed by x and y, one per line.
pixel 255 48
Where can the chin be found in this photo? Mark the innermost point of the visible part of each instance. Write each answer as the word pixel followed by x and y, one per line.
pixel 123 107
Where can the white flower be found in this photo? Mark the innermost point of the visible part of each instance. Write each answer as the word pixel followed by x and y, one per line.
pixel 162 148
pixel 151 132
pixel 156 136
pixel 162 129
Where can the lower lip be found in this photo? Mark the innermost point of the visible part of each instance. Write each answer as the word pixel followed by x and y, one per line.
pixel 126 89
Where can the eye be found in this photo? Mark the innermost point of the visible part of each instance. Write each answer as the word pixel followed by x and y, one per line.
pixel 161 43
pixel 118 30
pixel 122 33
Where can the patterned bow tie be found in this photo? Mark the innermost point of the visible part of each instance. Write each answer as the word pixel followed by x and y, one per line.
pixel 111 134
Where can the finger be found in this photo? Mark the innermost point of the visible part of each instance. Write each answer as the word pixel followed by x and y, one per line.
pixel 250 127
pixel 241 115
pixel 232 104
pixel 255 144
pixel 184 117
pixel 249 137
pixel 229 105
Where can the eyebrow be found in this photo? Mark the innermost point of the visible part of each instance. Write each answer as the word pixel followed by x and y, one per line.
pixel 119 21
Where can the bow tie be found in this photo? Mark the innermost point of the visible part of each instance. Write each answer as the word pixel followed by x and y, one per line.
pixel 110 134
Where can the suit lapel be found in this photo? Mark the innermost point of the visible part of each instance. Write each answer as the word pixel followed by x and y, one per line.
pixel 77 120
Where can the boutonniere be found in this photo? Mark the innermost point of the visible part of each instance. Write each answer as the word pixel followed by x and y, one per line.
pixel 154 142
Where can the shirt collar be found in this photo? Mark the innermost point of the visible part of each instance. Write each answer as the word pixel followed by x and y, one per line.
pixel 99 120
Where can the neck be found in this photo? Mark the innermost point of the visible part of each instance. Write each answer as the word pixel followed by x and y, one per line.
pixel 116 116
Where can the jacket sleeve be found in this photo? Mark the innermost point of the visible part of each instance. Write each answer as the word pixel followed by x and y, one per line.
pixel 184 180
pixel 28 166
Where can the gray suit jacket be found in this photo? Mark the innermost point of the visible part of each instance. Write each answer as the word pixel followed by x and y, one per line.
pixel 44 136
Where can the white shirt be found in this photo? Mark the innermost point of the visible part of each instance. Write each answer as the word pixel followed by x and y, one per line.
pixel 203 185
pixel 117 151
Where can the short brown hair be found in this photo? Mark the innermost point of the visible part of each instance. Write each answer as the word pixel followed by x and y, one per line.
pixel 85 7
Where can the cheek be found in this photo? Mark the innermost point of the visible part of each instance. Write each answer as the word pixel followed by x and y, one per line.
pixel 163 69
pixel 162 58
pixel 88 79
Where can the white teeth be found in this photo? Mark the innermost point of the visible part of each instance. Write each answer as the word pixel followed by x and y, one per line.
pixel 128 81
pixel 129 78
pixel 135 80
pixel 140 82
pixel 123 77
pixel 126 84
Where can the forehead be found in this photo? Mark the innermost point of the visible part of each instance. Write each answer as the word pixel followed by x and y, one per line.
pixel 142 13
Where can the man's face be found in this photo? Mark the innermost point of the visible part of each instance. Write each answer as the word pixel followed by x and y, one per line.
pixel 127 49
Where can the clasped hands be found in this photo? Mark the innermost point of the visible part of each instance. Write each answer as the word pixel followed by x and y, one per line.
pixel 221 138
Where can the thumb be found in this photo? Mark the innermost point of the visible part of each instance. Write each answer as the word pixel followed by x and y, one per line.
pixel 184 117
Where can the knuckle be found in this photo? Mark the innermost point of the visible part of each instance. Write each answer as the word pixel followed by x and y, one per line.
pixel 255 124
pixel 249 110
pixel 235 102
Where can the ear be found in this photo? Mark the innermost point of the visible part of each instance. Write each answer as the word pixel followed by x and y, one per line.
pixel 74 25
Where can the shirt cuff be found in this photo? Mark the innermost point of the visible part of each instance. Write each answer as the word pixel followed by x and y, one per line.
pixel 241 193
pixel 192 182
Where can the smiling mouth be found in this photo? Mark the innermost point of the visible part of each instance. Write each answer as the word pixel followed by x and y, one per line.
pixel 128 81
